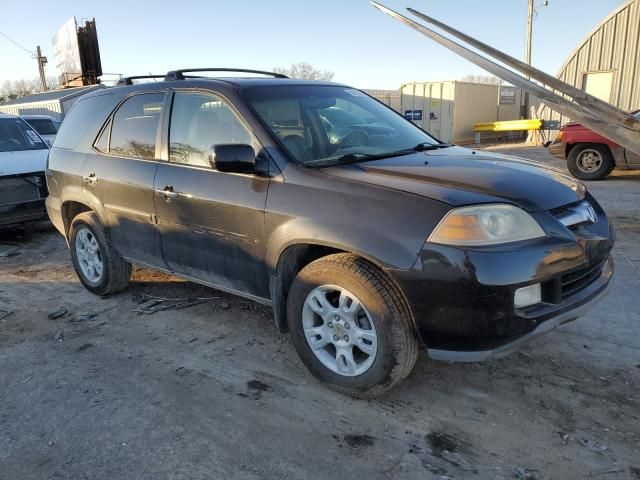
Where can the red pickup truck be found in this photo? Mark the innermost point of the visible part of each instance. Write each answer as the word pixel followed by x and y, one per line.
pixel 591 156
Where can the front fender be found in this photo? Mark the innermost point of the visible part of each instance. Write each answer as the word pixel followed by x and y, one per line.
pixel 385 226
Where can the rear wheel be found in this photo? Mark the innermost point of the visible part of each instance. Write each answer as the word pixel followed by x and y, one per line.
pixel 350 326
pixel 98 266
pixel 590 161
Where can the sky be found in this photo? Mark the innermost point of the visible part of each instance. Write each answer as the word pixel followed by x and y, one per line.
pixel 362 46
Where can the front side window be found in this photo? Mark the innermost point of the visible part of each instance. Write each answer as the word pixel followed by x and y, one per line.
pixel 17 135
pixel 135 126
pixel 198 122
pixel 326 123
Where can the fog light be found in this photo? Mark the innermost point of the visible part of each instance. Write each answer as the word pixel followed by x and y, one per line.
pixel 527 296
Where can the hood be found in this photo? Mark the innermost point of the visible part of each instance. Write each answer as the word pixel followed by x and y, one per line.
pixel 459 176
pixel 23 161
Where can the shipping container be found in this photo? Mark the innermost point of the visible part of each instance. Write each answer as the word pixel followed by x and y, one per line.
pixel 449 109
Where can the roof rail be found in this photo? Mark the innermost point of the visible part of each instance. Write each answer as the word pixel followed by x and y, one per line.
pixel 179 74
pixel 129 80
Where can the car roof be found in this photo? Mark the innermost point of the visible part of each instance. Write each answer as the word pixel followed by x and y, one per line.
pixel 212 82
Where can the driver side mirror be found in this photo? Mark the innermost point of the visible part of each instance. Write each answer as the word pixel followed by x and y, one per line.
pixel 233 158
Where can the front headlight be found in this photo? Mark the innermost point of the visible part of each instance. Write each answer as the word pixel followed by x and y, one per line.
pixel 485 225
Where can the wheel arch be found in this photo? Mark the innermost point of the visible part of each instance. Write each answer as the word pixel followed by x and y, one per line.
pixel 72 207
pixel 293 258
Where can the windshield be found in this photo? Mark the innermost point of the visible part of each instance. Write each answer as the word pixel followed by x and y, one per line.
pixel 319 122
pixel 44 126
pixel 16 135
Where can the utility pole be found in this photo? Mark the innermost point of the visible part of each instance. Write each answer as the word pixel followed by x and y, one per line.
pixel 527 53
pixel 42 61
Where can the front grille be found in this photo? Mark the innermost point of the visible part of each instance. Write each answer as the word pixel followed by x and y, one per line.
pixel 560 211
pixel 579 279
pixel 18 190
pixel 575 215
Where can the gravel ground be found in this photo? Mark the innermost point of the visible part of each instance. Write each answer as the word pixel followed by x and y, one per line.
pixel 113 390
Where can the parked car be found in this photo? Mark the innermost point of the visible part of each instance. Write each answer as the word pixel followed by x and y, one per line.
pixel 23 157
pixel 46 126
pixel 367 249
pixel 589 155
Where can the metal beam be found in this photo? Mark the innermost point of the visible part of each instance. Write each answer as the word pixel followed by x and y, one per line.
pixel 508 125
pixel 612 130
pixel 578 95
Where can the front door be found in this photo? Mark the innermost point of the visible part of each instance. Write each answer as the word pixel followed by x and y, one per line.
pixel 211 223
pixel 121 175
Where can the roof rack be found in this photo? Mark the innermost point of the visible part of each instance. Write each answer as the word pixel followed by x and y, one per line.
pixel 129 80
pixel 180 74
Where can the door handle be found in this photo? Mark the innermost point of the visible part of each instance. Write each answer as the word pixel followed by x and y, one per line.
pixel 167 192
pixel 90 179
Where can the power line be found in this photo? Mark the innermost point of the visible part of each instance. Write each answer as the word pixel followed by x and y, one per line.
pixel 17 44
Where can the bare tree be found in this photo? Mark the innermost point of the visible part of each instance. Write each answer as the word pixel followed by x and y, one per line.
pixel 10 90
pixel 482 79
pixel 305 71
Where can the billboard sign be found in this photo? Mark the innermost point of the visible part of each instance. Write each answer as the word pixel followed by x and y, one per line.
pixel 67 52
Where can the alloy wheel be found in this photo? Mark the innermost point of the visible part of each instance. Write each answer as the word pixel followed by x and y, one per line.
pixel 339 330
pixel 88 255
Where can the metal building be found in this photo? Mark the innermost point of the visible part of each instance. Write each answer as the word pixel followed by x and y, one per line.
pixel 55 103
pixel 606 64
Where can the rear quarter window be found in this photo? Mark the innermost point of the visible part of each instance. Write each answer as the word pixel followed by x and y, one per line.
pixel 83 121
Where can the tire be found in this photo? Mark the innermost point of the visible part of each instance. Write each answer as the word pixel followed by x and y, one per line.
pixel 590 161
pixel 114 272
pixel 384 312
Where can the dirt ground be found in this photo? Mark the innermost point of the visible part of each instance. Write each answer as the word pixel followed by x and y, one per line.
pixel 110 390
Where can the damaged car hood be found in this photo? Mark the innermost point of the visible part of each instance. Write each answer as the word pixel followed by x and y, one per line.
pixel 459 176
pixel 23 161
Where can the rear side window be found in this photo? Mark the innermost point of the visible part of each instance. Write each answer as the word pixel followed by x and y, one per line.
pixel 83 117
pixel 135 126
pixel 43 126
pixel 198 122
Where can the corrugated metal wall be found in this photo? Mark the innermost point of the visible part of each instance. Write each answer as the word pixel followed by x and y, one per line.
pixel 49 108
pixel 613 46
pixel 388 97
pixel 477 103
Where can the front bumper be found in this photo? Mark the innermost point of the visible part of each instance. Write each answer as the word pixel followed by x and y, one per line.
pixel 22 198
pixel 462 300
pixel 22 212
pixel 558 150
pixel 602 287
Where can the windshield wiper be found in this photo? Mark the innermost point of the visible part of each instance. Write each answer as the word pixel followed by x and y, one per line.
pixel 430 146
pixel 358 157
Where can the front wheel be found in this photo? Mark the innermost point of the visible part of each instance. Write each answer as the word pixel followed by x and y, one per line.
pixel 350 326
pixel 98 266
pixel 590 161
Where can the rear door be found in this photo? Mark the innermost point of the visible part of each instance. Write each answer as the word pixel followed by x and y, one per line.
pixel 211 222
pixel 120 172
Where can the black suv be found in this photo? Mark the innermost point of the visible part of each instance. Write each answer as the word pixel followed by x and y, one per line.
pixel 368 237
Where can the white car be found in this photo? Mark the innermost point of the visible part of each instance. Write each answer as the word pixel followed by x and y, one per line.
pixel 23 160
pixel 46 126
